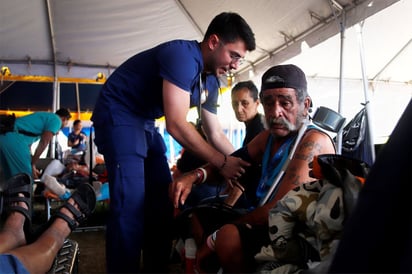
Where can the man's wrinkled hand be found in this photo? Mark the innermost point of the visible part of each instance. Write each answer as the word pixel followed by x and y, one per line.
pixel 181 187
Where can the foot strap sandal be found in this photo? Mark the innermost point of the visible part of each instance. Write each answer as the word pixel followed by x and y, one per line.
pixel 19 184
pixel 85 198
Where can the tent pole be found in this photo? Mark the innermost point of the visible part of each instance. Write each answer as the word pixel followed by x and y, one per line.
pixel 78 100
pixel 340 105
pixel 56 90
pixel 359 29
pixel 56 105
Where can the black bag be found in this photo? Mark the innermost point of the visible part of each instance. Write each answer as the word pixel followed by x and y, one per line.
pixel 354 132
pixel 7 123
pixel 356 138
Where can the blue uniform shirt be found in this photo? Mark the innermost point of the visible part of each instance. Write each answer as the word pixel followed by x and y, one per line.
pixel 135 87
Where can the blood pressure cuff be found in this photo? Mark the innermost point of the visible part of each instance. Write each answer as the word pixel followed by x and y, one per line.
pixel 242 153
pixel 250 179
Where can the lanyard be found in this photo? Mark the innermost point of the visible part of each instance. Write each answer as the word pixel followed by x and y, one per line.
pixel 202 92
pixel 271 168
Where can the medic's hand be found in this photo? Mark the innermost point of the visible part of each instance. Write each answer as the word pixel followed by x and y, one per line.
pixel 181 187
pixel 233 168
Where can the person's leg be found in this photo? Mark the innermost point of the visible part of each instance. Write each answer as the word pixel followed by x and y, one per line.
pixel 12 235
pixel 158 207
pixel 17 207
pixel 228 248
pixel 54 168
pixel 124 150
pixel 236 246
pixel 197 229
pixel 39 256
pixel 124 231
pixel 17 203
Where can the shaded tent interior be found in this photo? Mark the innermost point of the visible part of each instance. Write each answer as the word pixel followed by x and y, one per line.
pixel 22 98
pixel 25 97
pixel 38 96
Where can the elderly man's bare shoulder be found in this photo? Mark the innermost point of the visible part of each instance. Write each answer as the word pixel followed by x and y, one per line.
pixel 316 139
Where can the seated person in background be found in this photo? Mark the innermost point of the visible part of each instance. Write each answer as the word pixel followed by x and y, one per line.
pixel 77 139
pixel 70 177
pixel 245 103
pixel 17 254
pixel 75 167
pixel 15 154
pixel 286 105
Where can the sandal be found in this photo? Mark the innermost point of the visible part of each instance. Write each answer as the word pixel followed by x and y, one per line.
pixel 19 184
pixel 85 197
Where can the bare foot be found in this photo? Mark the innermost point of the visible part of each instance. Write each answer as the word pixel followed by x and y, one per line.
pixel 14 223
pixel 61 225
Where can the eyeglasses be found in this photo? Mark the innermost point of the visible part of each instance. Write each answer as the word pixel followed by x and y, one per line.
pixel 236 58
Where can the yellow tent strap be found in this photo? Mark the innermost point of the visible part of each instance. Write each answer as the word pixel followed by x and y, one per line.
pixel 33 78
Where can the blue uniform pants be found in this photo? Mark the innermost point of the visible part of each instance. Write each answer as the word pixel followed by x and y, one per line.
pixel 141 213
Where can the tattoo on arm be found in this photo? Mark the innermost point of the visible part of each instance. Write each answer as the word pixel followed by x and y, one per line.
pixel 308 150
pixel 293 176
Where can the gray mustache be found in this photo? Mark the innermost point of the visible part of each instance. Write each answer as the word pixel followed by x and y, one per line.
pixel 282 122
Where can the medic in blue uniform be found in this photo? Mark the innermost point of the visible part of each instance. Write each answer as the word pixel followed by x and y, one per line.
pixel 162 81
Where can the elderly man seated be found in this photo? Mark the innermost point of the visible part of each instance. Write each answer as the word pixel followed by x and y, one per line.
pixel 286 106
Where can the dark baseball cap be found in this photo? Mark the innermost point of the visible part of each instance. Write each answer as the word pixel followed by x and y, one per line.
pixel 284 76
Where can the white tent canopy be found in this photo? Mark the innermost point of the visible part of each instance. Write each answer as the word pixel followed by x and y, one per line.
pixel 75 38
